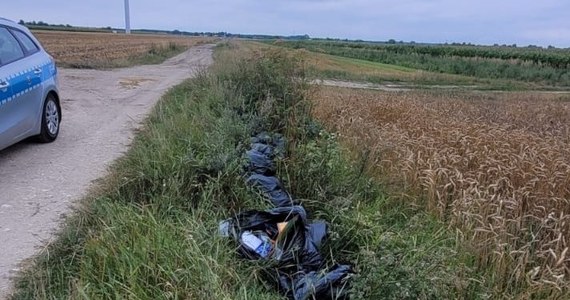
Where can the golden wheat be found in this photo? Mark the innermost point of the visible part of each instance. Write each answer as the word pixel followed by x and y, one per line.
pixel 80 48
pixel 494 166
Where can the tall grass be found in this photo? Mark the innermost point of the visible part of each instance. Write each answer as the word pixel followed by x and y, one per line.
pixel 495 167
pixel 150 231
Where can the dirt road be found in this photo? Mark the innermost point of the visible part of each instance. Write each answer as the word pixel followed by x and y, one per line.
pixel 403 87
pixel 101 109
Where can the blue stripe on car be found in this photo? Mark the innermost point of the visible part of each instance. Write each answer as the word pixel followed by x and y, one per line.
pixel 19 82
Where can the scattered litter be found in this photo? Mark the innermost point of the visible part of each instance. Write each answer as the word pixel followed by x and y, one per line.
pixel 283 235
pixel 261 167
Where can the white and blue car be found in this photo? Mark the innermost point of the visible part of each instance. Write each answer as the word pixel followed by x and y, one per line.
pixel 29 97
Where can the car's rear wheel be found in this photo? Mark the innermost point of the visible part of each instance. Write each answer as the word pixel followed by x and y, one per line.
pixel 50 120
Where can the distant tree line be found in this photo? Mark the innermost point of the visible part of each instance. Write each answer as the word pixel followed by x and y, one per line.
pixel 42 24
pixel 240 35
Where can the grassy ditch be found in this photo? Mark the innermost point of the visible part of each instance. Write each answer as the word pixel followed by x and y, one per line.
pixel 150 231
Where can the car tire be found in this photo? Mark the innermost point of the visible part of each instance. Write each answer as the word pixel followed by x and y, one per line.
pixel 51 118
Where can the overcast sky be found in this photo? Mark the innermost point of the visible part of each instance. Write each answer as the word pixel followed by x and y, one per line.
pixel 524 22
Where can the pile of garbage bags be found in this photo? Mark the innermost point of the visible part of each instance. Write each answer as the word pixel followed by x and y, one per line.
pixel 261 168
pixel 283 236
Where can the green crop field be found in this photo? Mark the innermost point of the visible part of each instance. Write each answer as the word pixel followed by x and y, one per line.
pixel 537 65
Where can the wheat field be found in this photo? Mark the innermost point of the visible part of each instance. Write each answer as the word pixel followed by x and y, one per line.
pixel 494 166
pixel 93 49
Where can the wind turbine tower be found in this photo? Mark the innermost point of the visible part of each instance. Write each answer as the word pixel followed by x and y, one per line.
pixel 127 18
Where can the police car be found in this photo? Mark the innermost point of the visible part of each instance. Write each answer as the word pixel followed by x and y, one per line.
pixel 29 98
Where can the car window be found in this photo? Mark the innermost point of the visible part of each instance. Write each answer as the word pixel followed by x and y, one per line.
pixel 28 44
pixel 10 49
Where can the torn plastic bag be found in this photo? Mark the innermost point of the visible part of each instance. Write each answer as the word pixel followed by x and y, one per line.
pixel 260 162
pixel 287 226
pixel 277 142
pixel 272 188
pixel 294 251
pixel 317 285
pixel 318 232
pixel 263 148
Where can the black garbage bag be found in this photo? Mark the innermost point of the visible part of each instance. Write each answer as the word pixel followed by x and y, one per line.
pixel 292 245
pixel 276 141
pixel 260 162
pixel 272 188
pixel 263 149
pixel 317 285
pixel 285 237
pixel 261 159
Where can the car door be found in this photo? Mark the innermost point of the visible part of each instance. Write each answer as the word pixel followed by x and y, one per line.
pixel 34 70
pixel 5 97
pixel 17 81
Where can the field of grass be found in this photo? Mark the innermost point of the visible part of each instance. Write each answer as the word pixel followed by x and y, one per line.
pixel 326 66
pixel 107 50
pixel 495 167
pixel 150 230
pixel 537 66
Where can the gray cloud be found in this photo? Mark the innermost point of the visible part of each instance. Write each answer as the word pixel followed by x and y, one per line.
pixel 485 21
